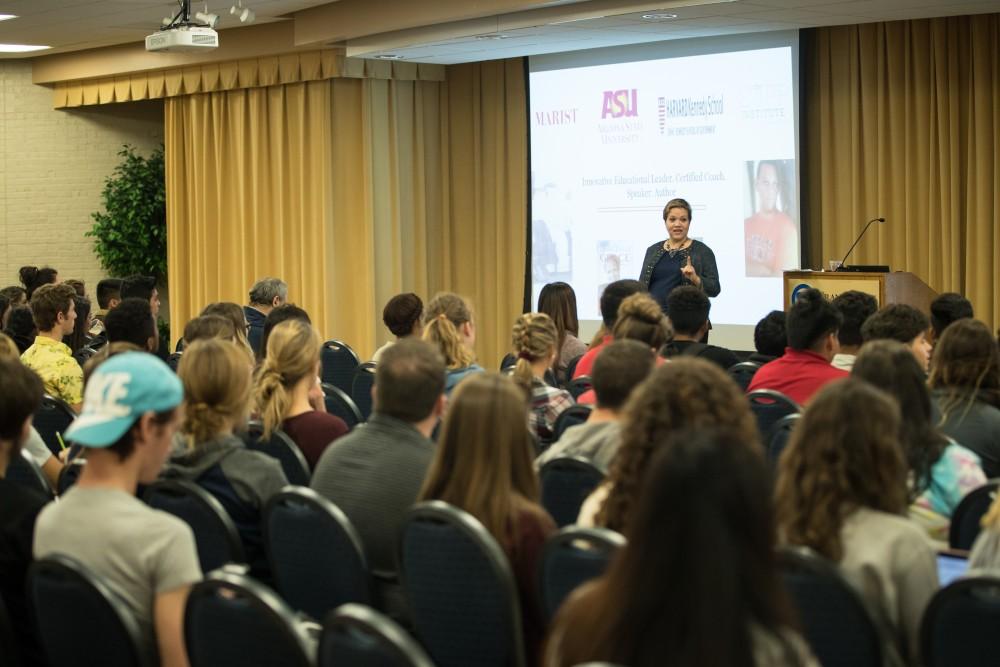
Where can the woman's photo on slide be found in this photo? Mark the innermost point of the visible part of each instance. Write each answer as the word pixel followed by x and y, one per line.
pixel 771 230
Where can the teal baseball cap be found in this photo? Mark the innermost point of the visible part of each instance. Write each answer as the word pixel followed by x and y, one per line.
pixel 121 390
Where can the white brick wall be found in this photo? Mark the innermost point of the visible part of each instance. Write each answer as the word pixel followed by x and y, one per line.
pixel 52 170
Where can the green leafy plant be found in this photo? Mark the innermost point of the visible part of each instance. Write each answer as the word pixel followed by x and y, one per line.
pixel 130 236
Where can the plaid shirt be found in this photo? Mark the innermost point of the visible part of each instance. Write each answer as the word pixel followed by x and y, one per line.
pixel 54 363
pixel 547 403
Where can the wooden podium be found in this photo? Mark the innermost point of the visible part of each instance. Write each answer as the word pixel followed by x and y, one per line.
pixel 887 288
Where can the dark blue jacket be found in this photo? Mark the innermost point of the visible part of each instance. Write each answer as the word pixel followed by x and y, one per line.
pixel 255 335
pixel 702 258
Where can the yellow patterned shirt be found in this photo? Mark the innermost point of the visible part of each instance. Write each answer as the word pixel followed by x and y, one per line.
pixel 54 363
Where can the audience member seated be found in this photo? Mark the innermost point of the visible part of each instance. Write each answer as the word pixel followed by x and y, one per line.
pixel 235 314
pixel 20 396
pixel 945 309
pixel 681 394
pixel 132 322
pixel 941 471
pixel 21 327
pixel 689 307
pixel 205 327
pixel 611 299
pixel 288 311
pixel 106 353
pixel 769 338
pixel 448 326
pixel 284 382
pixel 78 286
pixel 640 319
pixel 620 368
pixel 217 390
pixel 855 307
pixel 985 553
pixel 704 531
pixel 55 316
pixel 4 311
pixel 902 323
pixel 146 556
pixel 558 301
pixel 79 338
pixel 841 491
pixel 109 295
pixel 33 277
pixel 33 444
pixel 965 386
pixel 142 287
pixel 265 295
pixel 535 342
pixel 483 466
pixel 812 325
pixel 374 474
pixel 402 316
pixel 15 295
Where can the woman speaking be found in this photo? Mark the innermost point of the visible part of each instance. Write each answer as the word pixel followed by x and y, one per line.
pixel 679 260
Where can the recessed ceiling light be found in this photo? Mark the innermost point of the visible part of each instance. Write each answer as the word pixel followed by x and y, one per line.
pixel 21 48
pixel 660 16
pixel 6 17
pixel 492 36
pixel 388 56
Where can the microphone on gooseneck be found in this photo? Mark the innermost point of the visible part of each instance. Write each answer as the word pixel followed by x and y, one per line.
pixel 858 240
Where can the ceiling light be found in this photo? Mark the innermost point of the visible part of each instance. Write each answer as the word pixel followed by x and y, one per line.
pixel 206 17
pixel 7 17
pixel 658 17
pixel 492 36
pixel 388 56
pixel 21 48
pixel 245 14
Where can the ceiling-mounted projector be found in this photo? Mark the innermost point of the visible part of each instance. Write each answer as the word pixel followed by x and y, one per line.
pixel 183 38
pixel 180 33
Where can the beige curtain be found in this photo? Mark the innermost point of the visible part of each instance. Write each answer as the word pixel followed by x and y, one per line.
pixel 902 120
pixel 353 190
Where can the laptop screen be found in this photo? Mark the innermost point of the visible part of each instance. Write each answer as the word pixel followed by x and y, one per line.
pixel 951 567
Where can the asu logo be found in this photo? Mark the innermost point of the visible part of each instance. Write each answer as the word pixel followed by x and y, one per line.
pixel 620 104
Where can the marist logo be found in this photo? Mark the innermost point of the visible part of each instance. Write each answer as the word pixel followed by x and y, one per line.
pixel 620 104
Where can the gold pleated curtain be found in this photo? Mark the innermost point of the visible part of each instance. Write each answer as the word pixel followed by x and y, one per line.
pixel 353 190
pixel 902 121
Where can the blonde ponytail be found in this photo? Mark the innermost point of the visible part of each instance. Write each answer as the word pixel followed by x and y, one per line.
pixel 292 353
pixel 442 318
pixel 534 337
pixel 216 381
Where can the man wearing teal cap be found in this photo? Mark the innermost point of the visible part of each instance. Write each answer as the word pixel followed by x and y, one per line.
pixel 130 413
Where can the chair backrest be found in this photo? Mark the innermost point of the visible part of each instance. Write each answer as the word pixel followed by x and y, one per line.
pixel 80 621
pixel 768 406
pixel 51 420
pixel 508 362
pixel 965 519
pixel 339 403
pixel 566 483
pixel 779 435
pixel 571 368
pixel 460 588
pixel 338 362
pixel 836 623
pixel 958 625
pixel 316 555
pixel 174 360
pixel 233 621
pixel 69 475
pixel 215 534
pixel 26 472
pixel 361 388
pixel 571 416
pixel 743 373
pixel 359 636
pixel 572 557
pixel 281 447
pixel 579 386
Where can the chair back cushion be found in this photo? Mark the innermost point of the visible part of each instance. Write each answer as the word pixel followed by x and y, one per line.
pixel 768 406
pixel 315 554
pixel 743 373
pixel 338 362
pixel 340 404
pixel 52 417
pixel 359 636
pixel 361 388
pixel 965 519
pixel 959 623
pixel 281 447
pixel 572 557
pixel 566 483
pixel 23 470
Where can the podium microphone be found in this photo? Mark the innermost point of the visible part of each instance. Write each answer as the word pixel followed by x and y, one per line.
pixel 858 240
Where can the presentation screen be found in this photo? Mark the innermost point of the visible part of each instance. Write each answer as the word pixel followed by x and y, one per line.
pixel 616 134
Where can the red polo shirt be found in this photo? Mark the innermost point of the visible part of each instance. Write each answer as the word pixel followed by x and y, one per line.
pixel 798 374
pixel 586 363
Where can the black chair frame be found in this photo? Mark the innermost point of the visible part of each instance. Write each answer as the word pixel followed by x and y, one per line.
pixel 744 368
pixel 293 461
pixel 441 512
pixel 957 589
pixel 209 503
pixel 52 404
pixel 354 413
pixel 24 470
pixel 955 538
pixel 579 386
pixel 578 463
pixel 364 401
pixel 567 415
pixel 373 624
pixel 60 565
pixel 603 539
pixel 259 596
